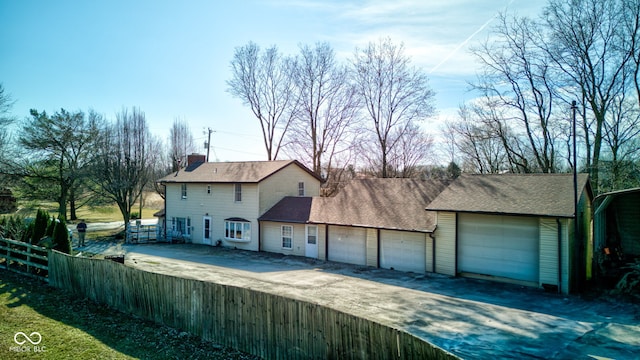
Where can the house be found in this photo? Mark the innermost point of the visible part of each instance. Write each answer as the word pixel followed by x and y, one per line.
pixel 373 222
pixel 220 202
pixel 516 228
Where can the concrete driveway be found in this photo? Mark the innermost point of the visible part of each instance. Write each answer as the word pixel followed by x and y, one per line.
pixel 473 319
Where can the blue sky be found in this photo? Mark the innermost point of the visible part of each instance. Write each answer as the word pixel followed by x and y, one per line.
pixel 171 58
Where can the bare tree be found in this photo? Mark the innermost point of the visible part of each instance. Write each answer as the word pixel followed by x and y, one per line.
pixel 262 80
pixel 519 93
pixel 324 125
pixel 621 132
pixel 125 159
pixel 181 143
pixel 393 93
pixel 414 150
pixel 6 104
pixel 592 43
pixel 480 149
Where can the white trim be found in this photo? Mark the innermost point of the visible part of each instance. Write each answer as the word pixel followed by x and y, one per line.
pixel 290 237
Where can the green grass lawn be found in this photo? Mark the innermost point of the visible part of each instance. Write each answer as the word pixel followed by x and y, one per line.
pixel 73 328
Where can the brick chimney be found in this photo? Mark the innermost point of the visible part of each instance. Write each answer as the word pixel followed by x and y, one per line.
pixel 195 158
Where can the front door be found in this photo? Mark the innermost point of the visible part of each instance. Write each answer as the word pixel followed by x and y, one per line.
pixel 311 235
pixel 206 230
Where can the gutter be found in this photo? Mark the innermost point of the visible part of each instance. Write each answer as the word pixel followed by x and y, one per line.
pixel 433 250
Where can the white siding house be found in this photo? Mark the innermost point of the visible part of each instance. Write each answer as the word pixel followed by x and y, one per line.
pixel 220 202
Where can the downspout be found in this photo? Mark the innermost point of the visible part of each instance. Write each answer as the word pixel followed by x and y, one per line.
pixel 559 255
pixel 259 230
pixel 164 223
pixel 455 270
pixel 378 246
pixel 326 243
pixel 433 251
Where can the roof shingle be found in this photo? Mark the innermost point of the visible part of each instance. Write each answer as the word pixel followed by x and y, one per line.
pixel 377 203
pixel 518 194
pixel 230 172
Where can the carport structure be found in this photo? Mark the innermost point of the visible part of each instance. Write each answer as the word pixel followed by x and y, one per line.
pixel 616 225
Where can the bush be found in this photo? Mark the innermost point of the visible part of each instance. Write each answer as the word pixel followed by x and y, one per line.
pixel 40 226
pixel 61 241
pixel 629 284
pixel 12 227
pixel 50 227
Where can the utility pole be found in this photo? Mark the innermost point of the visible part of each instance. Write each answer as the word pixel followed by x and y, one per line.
pixel 208 144
pixel 581 274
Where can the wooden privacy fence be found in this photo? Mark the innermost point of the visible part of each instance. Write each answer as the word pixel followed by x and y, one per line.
pixel 24 258
pixel 263 324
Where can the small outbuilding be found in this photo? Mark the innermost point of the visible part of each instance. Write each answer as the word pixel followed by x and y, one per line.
pixel 617 227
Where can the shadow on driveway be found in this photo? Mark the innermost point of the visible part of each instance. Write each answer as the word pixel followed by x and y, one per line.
pixel 471 318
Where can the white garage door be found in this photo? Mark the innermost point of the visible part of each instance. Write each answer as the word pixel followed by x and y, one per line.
pixel 347 245
pixel 404 251
pixel 504 246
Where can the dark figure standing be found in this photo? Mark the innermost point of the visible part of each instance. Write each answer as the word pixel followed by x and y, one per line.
pixel 82 231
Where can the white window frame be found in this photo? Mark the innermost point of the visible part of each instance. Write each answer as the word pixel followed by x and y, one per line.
pixel 237 230
pixel 237 192
pixel 311 233
pixel 301 188
pixel 181 225
pixel 286 238
pixel 183 190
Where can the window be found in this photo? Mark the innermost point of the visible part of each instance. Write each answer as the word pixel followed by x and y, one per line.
pixel 287 236
pixel 301 188
pixel 181 226
pixel 238 192
pixel 184 191
pixel 312 234
pixel 208 189
pixel 237 230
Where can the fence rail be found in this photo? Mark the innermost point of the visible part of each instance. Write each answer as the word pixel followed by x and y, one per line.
pixel 263 324
pixel 24 258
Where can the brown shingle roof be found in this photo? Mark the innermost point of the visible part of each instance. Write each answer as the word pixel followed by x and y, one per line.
pixel 380 203
pixel 230 172
pixel 289 209
pixel 518 194
pixel 377 203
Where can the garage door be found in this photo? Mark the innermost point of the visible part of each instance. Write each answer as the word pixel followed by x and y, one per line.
pixel 404 251
pixel 504 246
pixel 347 245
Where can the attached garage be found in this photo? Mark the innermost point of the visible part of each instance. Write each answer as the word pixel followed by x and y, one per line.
pixel 347 244
pixel 500 246
pixel 403 250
